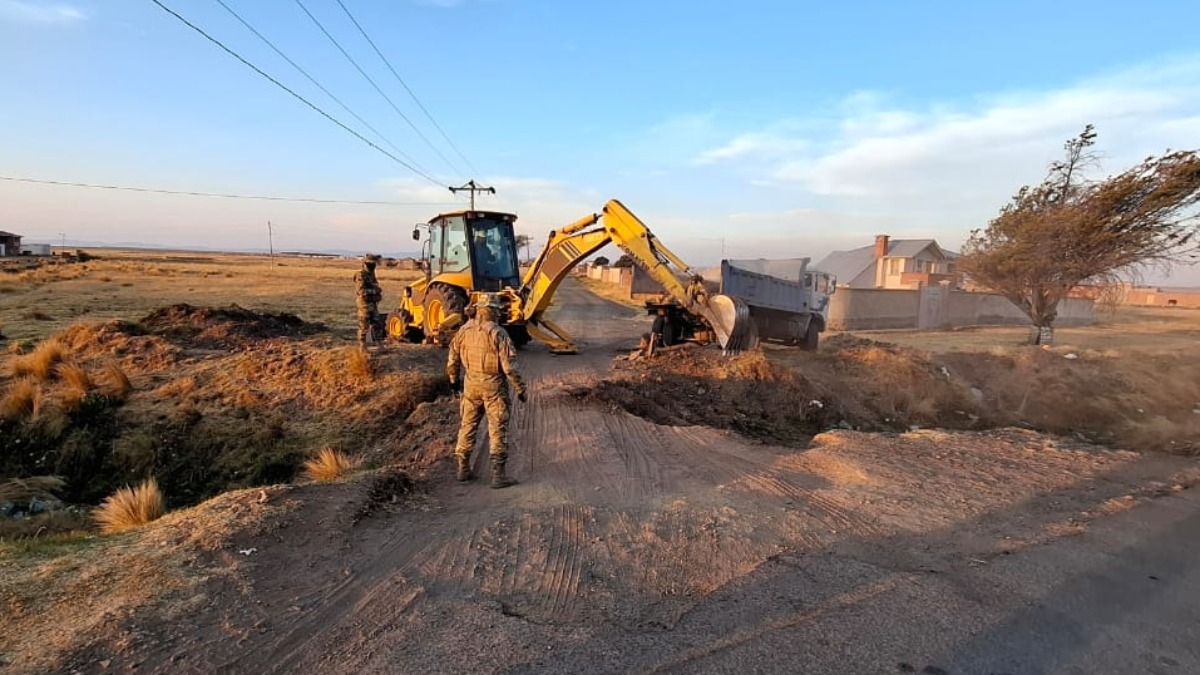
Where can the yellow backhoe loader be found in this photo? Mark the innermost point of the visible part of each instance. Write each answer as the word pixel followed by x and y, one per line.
pixel 474 252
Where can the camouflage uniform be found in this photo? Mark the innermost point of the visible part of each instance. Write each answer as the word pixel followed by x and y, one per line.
pixel 369 294
pixel 484 351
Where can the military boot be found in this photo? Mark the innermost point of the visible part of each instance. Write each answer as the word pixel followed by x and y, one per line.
pixel 464 469
pixel 499 479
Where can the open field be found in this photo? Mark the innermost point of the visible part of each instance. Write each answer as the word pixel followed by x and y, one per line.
pixel 128 284
pixel 872 507
pixel 1145 330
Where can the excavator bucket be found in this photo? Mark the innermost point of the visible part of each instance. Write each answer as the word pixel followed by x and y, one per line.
pixel 731 321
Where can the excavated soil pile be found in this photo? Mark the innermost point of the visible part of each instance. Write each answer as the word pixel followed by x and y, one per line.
pixel 784 395
pixel 694 386
pixel 225 328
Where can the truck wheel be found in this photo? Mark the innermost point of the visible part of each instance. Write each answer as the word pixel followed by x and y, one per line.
pixel 441 302
pixel 812 336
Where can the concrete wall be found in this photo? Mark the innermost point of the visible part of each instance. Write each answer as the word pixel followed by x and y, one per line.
pixel 935 308
pixel 871 308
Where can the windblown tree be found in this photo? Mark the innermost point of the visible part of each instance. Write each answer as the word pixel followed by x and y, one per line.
pixel 1069 231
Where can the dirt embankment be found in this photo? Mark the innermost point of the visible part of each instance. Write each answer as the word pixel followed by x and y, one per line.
pixel 785 396
pixel 211 400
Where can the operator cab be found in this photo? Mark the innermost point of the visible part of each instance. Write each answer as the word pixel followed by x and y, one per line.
pixel 480 243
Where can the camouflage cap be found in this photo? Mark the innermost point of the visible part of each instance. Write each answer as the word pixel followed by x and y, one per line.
pixel 370 258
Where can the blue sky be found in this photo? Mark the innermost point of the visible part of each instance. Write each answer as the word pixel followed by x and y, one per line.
pixel 758 128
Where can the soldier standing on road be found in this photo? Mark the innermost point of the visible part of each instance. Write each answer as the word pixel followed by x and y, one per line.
pixel 369 294
pixel 483 350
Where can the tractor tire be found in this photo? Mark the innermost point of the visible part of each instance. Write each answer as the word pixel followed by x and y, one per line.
pixel 812 337
pixel 665 328
pixel 519 334
pixel 441 301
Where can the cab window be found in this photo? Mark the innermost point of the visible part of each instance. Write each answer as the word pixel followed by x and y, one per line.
pixel 455 257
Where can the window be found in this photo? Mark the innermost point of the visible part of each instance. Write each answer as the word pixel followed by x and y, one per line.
pixel 455 257
pixel 493 249
pixel 895 266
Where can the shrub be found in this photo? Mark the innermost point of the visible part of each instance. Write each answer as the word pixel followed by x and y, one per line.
pixel 128 508
pixel 329 464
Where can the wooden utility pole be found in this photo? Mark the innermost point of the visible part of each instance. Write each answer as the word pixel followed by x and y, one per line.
pixel 473 187
pixel 270 240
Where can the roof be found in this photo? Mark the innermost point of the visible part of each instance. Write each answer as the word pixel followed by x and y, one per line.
pixel 8 234
pixel 846 265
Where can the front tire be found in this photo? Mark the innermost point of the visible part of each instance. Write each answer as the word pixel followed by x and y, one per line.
pixel 812 336
pixel 441 302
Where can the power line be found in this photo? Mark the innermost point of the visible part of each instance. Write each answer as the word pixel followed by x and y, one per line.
pixel 298 97
pixel 376 86
pixel 222 195
pixel 399 79
pixel 318 85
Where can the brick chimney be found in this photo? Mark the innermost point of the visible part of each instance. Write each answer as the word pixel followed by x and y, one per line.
pixel 881 246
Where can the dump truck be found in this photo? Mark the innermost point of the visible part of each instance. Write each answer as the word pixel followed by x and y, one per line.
pixel 473 252
pixel 788 302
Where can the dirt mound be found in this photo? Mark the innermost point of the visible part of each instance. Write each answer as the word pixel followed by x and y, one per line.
pixel 745 394
pixel 784 395
pixel 225 327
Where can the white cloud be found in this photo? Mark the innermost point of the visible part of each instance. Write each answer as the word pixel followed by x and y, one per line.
pixel 975 152
pixel 757 145
pixel 25 11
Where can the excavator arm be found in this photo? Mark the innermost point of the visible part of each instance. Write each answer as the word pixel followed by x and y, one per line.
pixel 566 248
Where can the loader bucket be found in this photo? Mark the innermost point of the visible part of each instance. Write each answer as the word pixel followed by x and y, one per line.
pixel 731 321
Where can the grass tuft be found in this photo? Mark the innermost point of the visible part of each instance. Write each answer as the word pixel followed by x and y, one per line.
pixel 76 383
pixel 329 464
pixel 40 362
pixel 116 382
pixel 128 508
pixel 23 490
pixel 23 399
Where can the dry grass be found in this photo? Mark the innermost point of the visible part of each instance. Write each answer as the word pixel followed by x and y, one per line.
pixel 1145 330
pixel 40 362
pixel 329 464
pixel 21 400
pixel 611 292
pixel 116 381
pixel 75 383
pixel 22 490
pixel 359 364
pixel 142 281
pixel 128 508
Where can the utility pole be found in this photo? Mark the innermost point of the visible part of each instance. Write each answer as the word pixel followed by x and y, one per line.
pixel 63 236
pixel 270 240
pixel 473 187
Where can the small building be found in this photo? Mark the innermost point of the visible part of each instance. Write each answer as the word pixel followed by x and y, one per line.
pixel 10 244
pixel 36 249
pixel 892 263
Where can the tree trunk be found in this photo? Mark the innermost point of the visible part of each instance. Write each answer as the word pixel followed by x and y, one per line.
pixel 1041 335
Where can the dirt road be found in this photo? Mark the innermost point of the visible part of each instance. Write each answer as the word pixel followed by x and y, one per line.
pixel 634 547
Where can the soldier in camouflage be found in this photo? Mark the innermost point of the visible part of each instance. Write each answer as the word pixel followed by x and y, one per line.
pixel 369 294
pixel 483 350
